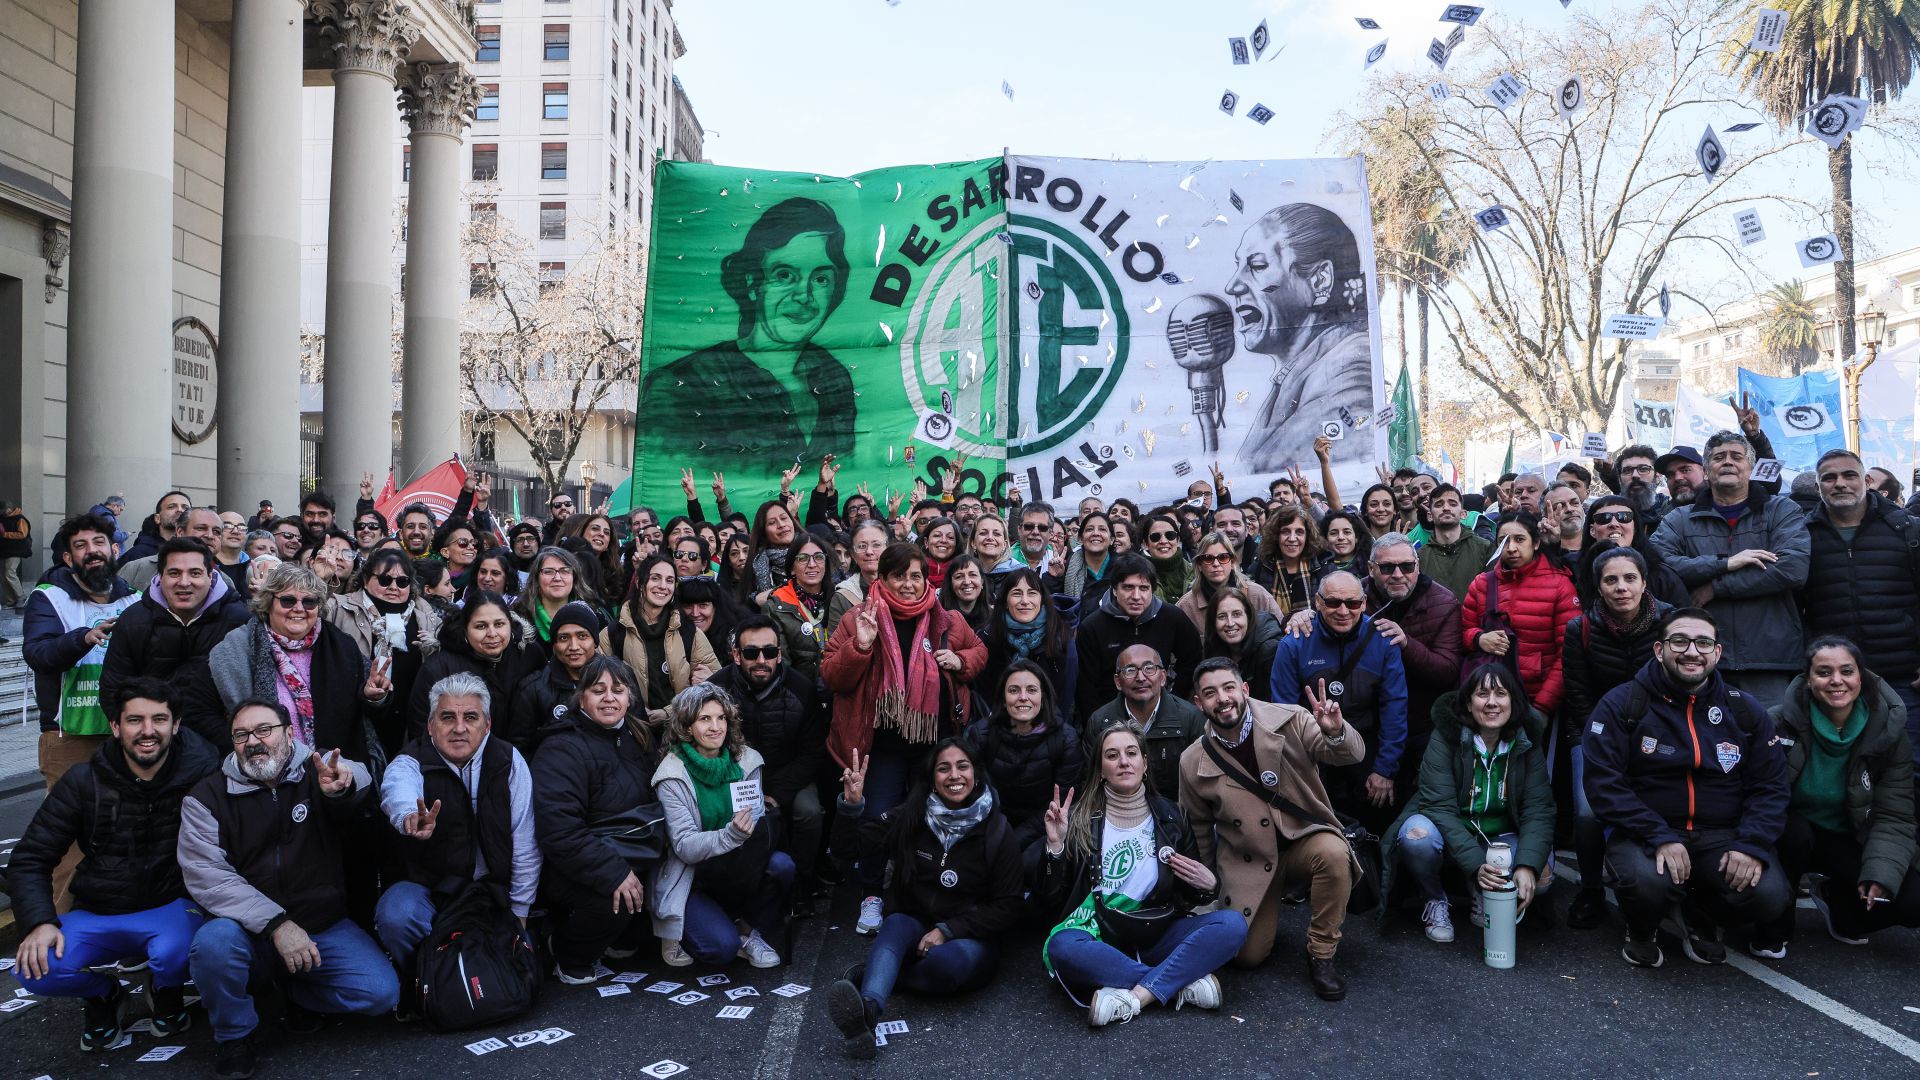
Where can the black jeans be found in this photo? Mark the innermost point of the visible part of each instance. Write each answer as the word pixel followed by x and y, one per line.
pixel 1347 793
pixel 581 934
pixel 1806 848
pixel 1646 897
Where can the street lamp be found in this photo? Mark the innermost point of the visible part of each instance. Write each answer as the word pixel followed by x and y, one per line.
pixel 589 472
pixel 1873 328
pixel 1825 331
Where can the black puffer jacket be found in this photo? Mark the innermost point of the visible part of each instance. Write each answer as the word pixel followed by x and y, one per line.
pixel 786 722
pixel 1107 631
pixel 455 657
pixel 972 891
pixel 1596 658
pixel 1867 590
pixel 151 640
pixel 240 668
pixel 544 696
pixel 583 775
pixel 1025 769
pixel 126 828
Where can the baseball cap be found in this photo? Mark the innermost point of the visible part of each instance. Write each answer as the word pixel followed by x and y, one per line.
pixel 1677 454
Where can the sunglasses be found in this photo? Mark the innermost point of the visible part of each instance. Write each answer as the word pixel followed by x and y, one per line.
pixel 1034 526
pixel 1215 559
pixel 1612 517
pixel 1162 537
pixel 694 556
pixel 563 504
pixel 464 542
pixel 288 603
pixel 393 581
pixel 1397 567
pixel 759 652
pixel 1354 603
pixel 366 526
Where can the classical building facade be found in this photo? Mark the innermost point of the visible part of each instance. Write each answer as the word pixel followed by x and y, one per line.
pixel 150 243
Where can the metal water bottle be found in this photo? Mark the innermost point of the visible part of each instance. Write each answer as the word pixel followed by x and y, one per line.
pixel 1501 906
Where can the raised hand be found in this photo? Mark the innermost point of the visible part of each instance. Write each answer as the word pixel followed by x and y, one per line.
pixel 919 490
pixel 828 470
pixel 334 777
pixel 853 780
pixel 1748 416
pixel 719 486
pixel 686 482
pixel 866 628
pixel 1056 819
pixel 787 478
pixel 1322 447
pixel 379 680
pixel 366 485
pixel 1326 710
pixel 420 823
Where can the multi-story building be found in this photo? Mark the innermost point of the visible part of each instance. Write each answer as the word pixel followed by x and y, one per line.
pixel 576 100
pixel 150 244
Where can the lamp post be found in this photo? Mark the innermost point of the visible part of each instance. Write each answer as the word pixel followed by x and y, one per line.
pixel 1824 332
pixel 589 472
pixel 1873 327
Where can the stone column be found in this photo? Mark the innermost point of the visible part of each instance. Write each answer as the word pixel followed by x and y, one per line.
pixel 438 100
pixel 259 431
pixel 371 38
pixel 119 341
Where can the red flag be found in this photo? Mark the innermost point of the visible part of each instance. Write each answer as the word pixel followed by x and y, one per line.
pixel 437 489
pixel 386 490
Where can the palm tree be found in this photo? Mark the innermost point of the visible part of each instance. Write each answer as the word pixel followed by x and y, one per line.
pixel 1864 48
pixel 1787 327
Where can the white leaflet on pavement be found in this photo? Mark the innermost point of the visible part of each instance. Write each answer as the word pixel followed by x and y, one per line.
pixel 660 1070
pixel 664 987
pixel 554 1035
pixel 160 1053
pixel 485 1046
pixel 525 1038
pixel 734 1012
pixel 614 990
pixel 791 990
pixel 892 1027
pixel 713 980
pixel 631 977
pixel 739 992
pixel 691 997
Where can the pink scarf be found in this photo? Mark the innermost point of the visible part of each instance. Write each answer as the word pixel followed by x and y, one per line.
pixel 297 686
pixel 904 691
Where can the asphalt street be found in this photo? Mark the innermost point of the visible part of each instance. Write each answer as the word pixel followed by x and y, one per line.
pixel 1571 1008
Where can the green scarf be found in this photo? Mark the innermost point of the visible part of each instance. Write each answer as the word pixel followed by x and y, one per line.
pixel 710 776
pixel 1820 791
pixel 542 622
pixel 1171 577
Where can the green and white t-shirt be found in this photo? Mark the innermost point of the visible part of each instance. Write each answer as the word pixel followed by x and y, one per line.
pixel 1129 869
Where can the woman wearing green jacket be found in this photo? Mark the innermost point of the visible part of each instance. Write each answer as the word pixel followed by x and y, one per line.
pixel 1484 779
pixel 1850 818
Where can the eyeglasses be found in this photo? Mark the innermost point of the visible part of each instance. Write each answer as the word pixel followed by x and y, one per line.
pixel 243 736
pixel 1215 559
pixel 235 526
pixel 1611 517
pixel 464 542
pixel 759 652
pixel 287 535
pixel 358 526
pixel 810 557
pixel 1351 603
pixel 555 571
pixel 1034 526
pixel 1141 671
pixel 1162 537
pixel 288 603
pixel 1636 470
pixel 1680 643
pixel 1408 567
pixel 393 581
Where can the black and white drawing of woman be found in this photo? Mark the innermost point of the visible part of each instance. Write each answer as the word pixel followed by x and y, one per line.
pixel 770 393
pixel 1299 294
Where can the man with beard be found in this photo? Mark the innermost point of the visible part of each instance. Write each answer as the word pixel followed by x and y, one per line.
pixel 260 851
pixel 68 623
pixel 1566 523
pixel 1635 472
pixel 1251 788
pixel 316 512
pixel 187 609
pixel 782 717
pixel 169 516
pixel 1685 472
pixel 202 523
pixel 1231 522
pixel 416 530
pixel 1743 554
pixel 121 807
pixel 1452 552
pixel 523 543
pixel 1684 773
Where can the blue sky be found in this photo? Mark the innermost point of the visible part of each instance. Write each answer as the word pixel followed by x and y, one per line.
pixel 838 86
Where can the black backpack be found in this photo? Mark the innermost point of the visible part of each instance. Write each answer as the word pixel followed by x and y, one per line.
pixel 476 966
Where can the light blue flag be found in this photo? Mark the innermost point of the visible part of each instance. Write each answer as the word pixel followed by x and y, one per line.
pixel 1800 414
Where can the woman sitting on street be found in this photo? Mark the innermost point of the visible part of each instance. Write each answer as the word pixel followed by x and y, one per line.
pixel 1121 870
pixel 723 887
pixel 957 888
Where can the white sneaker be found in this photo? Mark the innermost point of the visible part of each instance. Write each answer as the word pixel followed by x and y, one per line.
pixel 869 916
pixel 755 950
pixel 1202 993
pixel 674 955
pixel 1111 1005
pixel 1439 921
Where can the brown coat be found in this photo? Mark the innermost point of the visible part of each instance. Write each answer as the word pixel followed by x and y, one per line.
pixel 1195 606
pixel 682 669
pixel 1234 828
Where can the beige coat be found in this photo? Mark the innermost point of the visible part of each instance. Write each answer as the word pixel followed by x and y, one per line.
pixel 681 668
pixel 355 614
pixel 1234 828
pixel 1194 606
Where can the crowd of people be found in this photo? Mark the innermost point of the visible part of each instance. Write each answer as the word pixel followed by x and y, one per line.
pixel 274 745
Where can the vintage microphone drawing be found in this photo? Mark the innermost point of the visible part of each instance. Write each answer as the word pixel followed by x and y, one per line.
pixel 1200 331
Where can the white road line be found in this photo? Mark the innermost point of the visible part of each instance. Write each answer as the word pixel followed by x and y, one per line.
pixel 776 1056
pixel 1821 1003
pixel 1807 995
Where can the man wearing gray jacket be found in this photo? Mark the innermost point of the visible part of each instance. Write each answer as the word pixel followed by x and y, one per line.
pixel 1743 553
pixel 260 851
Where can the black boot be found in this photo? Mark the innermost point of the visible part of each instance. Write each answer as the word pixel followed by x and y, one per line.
pixel 1327 983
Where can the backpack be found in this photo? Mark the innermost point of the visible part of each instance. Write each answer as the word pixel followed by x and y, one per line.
pixel 476 966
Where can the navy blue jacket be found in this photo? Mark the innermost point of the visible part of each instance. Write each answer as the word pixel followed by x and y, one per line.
pixel 1373 697
pixel 1685 763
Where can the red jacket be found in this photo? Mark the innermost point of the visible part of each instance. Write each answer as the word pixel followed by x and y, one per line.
pixel 847 672
pixel 1539 600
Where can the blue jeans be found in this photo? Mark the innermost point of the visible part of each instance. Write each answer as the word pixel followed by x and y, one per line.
pixel 1190 950
pixel 161 936
pixel 888 779
pixel 402 919
pixel 954 967
pixel 353 977
pixel 710 934
pixel 1424 857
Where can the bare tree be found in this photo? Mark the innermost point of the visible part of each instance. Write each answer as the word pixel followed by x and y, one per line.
pixel 543 348
pixel 1596 203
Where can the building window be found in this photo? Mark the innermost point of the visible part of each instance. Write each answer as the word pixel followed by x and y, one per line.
pixel 553 101
pixel 629 136
pixel 629 82
pixel 485 213
pixel 489 107
pixel 552 274
pixel 489 50
pixel 553 161
pixel 486 161
pixel 406 164
pixel 613 174
pixel 1892 338
pixel 559 43
pixel 477 280
pixel 553 221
